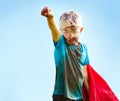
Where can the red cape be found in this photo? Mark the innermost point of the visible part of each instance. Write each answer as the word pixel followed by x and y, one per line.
pixel 98 88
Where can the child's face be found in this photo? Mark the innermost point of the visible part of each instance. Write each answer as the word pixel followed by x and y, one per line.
pixel 72 36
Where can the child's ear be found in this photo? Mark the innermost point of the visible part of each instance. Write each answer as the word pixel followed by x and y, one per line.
pixel 81 29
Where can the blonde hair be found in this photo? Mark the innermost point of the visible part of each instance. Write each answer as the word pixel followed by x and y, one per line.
pixel 70 19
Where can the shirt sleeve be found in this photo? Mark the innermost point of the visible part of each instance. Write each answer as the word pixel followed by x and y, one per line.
pixel 87 57
pixel 59 42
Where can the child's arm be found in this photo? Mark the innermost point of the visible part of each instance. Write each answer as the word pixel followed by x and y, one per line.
pixel 51 22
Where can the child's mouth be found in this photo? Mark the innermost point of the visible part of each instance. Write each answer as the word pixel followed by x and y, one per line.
pixel 71 41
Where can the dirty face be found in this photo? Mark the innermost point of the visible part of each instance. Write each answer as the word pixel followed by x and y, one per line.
pixel 71 36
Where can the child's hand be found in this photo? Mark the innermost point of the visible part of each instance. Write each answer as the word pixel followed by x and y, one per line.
pixel 46 11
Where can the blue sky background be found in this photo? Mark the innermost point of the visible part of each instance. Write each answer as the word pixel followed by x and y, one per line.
pixel 27 70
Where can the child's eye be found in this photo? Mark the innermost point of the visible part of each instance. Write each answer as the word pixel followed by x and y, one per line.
pixel 67 32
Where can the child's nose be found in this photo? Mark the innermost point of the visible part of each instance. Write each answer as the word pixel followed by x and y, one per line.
pixel 71 35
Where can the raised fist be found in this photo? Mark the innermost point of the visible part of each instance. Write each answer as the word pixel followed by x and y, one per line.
pixel 47 12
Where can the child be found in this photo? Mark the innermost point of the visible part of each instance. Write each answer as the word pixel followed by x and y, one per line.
pixel 71 56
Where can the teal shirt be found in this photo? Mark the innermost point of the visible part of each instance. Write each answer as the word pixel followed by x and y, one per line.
pixel 69 61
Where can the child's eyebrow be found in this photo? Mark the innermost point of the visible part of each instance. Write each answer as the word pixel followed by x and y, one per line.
pixel 71 28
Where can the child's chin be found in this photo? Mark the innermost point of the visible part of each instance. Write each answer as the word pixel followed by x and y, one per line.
pixel 71 43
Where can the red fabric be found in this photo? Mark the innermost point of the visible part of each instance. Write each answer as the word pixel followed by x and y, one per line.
pixel 98 88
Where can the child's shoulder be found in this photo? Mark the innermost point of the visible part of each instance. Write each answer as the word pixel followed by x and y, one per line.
pixel 83 45
pixel 60 41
